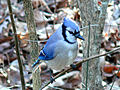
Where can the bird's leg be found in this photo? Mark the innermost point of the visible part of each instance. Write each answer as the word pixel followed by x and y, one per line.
pixel 51 76
pixel 73 66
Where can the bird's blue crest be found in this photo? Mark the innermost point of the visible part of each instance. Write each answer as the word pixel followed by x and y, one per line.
pixel 70 23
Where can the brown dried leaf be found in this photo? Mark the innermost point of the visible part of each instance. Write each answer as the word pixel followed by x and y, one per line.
pixel 109 68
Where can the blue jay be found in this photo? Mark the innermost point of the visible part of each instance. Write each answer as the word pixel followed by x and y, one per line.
pixel 61 48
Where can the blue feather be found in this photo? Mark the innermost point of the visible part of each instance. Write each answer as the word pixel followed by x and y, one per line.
pixel 46 55
pixel 43 56
pixel 37 61
pixel 70 23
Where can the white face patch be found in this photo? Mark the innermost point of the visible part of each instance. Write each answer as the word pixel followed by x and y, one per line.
pixel 70 37
pixel 68 28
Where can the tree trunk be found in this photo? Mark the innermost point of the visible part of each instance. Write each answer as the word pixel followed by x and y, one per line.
pixel 34 45
pixel 89 13
pixel 17 47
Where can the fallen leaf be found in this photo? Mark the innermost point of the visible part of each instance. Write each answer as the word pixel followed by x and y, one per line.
pixel 109 68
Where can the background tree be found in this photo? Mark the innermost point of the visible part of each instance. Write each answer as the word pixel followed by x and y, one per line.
pixel 92 12
pixel 17 46
pixel 32 36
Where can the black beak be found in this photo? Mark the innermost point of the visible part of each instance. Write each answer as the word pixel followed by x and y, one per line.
pixel 79 36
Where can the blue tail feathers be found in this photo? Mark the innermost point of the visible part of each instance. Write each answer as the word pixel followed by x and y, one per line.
pixel 37 61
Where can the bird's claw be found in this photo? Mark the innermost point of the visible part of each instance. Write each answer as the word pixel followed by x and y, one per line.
pixel 52 79
pixel 73 66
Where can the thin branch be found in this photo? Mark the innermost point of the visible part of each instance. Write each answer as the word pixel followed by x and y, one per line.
pixel 114 79
pixel 54 18
pixel 88 49
pixel 80 62
pixel 16 45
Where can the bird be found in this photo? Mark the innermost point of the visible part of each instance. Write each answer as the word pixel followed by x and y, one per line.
pixel 62 46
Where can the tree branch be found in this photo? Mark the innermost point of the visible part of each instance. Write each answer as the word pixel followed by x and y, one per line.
pixel 80 62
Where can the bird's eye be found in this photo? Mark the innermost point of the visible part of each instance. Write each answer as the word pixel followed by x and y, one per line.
pixel 76 32
pixel 70 32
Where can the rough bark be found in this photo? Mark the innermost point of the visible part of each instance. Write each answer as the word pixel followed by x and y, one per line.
pixel 89 13
pixel 17 47
pixel 32 36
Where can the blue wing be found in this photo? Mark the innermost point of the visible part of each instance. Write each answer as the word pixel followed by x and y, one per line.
pixel 48 52
pixel 45 54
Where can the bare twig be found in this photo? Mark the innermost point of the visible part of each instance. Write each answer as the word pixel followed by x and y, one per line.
pixel 17 46
pixel 46 6
pixel 54 18
pixel 114 79
pixel 88 49
pixel 80 62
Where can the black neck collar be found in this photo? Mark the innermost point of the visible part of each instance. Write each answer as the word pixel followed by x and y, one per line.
pixel 64 34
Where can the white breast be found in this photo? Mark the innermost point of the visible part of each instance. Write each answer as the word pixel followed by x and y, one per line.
pixel 66 53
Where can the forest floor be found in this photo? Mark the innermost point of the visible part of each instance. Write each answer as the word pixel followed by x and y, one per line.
pixel 48 17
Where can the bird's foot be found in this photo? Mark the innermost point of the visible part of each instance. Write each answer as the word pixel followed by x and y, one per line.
pixel 73 66
pixel 51 77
